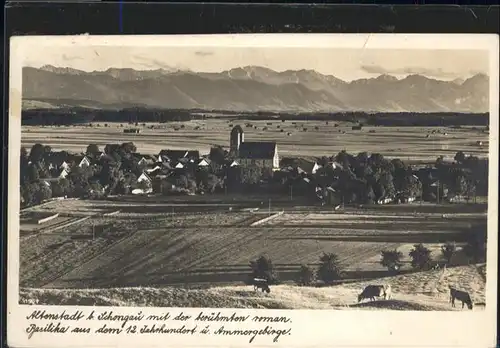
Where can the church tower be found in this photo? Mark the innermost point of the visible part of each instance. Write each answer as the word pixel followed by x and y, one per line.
pixel 236 138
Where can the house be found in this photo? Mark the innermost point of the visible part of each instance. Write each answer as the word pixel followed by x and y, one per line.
pixel 153 169
pixel 174 156
pixel 205 162
pixel 144 184
pixel 309 167
pixel 261 154
pixel 82 161
pixel 63 173
pixel 144 160
pixel 64 160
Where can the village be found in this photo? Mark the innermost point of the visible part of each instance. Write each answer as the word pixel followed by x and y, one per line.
pixel 247 166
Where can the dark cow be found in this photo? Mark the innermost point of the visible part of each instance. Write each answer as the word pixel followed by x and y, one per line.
pixel 372 291
pixel 461 296
pixel 261 284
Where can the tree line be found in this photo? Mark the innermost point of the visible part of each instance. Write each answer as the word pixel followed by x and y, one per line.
pixel 331 270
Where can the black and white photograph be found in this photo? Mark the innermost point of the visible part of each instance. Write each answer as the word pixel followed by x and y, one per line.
pixel 213 175
pixel 254 178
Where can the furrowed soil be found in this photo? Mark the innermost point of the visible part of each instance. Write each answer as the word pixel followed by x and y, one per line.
pixel 144 246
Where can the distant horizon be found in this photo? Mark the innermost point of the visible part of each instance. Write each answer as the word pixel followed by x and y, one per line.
pixel 174 70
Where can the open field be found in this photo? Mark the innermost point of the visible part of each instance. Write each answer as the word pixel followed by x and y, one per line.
pixel 147 245
pixel 407 143
pixel 417 291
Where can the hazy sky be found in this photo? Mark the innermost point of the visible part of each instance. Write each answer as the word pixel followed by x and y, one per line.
pixel 346 63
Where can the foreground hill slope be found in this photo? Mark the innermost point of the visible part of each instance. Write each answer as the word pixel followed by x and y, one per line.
pixel 417 291
pixel 253 89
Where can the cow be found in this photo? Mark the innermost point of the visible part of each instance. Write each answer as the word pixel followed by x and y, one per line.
pixel 261 284
pixel 372 291
pixel 461 296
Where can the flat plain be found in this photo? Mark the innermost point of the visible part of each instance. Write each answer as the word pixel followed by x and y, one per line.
pixel 320 139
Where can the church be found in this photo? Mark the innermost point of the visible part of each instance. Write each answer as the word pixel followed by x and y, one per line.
pixel 247 154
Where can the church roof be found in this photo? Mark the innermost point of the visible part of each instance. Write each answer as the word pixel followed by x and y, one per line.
pixel 257 150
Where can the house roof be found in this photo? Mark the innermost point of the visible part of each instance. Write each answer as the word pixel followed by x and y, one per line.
pixel 144 174
pixel 58 158
pixel 304 164
pixel 176 155
pixel 207 160
pixel 139 156
pixel 257 150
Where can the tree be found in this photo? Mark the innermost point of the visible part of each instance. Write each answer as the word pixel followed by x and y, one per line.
pixel 36 153
pixel 448 250
pixel 33 174
pixel 61 188
pixel 460 157
pixel 129 147
pixel 329 268
pixel 263 268
pixel 28 193
pixel 391 259
pixel 43 192
pixel 420 257
pixel 95 190
pixel 212 181
pixel 182 182
pixel 306 276
pixel 92 151
pixel 362 158
pixel 475 249
pixel 217 154
pixel 144 185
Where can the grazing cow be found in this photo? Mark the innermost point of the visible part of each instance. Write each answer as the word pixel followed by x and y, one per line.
pixel 461 296
pixel 372 291
pixel 261 284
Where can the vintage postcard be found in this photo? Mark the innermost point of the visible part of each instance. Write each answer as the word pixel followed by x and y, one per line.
pixel 266 190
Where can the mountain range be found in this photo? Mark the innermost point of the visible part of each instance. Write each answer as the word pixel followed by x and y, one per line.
pixel 252 88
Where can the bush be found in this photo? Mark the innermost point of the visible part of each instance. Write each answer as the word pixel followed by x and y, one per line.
pixel 263 268
pixel 329 269
pixel 306 276
pixel 475 249
pixel 448 250
pixel 420 257
pixel 391 259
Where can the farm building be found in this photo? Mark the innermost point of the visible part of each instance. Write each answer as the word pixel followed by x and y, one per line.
pixel 132 130
pixel 261 154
